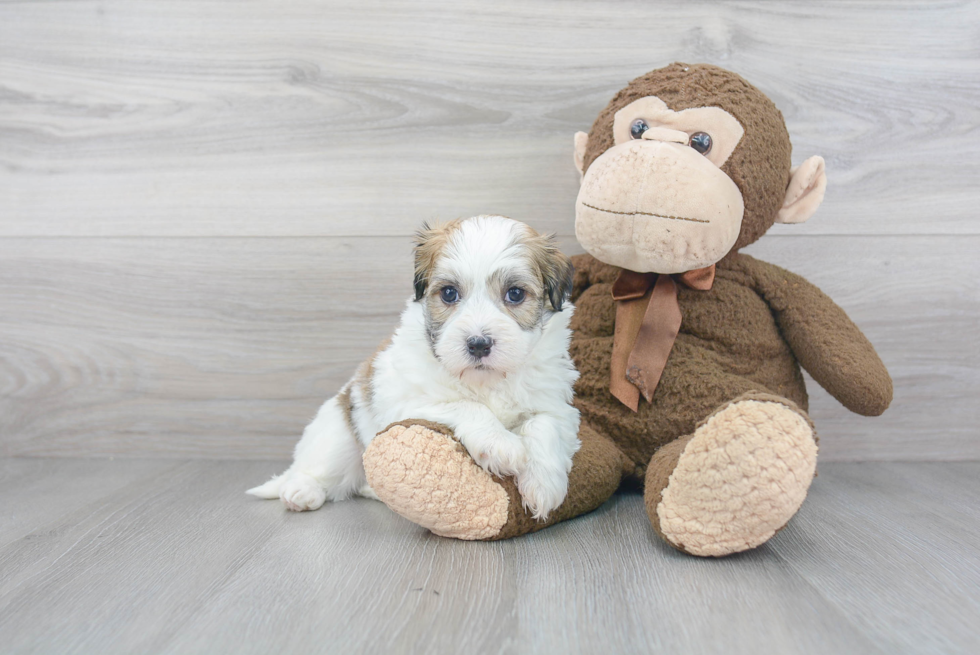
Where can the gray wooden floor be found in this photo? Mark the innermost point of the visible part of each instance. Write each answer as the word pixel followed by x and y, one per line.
pixel 127 556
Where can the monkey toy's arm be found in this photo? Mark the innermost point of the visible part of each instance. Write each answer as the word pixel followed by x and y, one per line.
pixel 825 341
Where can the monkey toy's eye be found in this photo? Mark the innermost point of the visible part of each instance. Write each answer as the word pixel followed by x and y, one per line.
pixel 638 127
pixel 449 295
pixel 701 141
pixel 515 295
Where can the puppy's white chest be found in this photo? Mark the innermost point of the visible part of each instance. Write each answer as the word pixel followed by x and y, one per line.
pixel 506 408
pixel 513 420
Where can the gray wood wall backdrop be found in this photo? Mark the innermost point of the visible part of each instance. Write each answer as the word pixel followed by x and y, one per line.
pixel 205 207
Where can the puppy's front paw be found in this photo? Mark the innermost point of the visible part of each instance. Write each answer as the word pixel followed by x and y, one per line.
pixel 502 453
pixel 542 489
pixel 301 492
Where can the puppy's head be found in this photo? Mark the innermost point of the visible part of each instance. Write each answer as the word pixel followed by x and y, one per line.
pixel 488 285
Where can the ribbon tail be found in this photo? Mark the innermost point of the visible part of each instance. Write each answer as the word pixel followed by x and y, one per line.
pixel 658 331
pixel 627 394
pixel 619 386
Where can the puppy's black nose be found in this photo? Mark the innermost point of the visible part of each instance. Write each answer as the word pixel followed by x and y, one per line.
pixel 479 347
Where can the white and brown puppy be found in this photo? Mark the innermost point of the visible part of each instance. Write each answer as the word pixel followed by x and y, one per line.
pixel 482 348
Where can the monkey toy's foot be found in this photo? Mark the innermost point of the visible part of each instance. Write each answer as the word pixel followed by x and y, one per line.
pixel 736 481
pixel 421 472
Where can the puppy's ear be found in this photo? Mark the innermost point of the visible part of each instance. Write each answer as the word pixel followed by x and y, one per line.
pixel 423 259
pixel 558 279
pixel 420 286
pixel 429 242
pixel 556 268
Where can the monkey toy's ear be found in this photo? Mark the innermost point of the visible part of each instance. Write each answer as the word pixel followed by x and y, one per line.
pixel 581 143
pixel 807 184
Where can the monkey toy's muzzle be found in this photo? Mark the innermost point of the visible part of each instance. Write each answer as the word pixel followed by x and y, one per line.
pixel 657 206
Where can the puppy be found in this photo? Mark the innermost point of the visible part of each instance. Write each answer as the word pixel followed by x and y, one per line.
pixel 481 348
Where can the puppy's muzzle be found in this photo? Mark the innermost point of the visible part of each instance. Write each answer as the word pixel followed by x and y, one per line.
pixel 479 347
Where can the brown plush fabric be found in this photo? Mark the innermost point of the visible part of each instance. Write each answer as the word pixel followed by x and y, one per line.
pixel 759 166
pixel 435 427
pixel 728 344
pixel 768 398
pixel 736 481
pixel 597 470
pixel 741 341
pixel 825 341
pixel 741 336
pixel 658 476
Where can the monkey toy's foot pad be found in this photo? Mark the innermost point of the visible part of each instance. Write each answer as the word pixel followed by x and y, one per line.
pixel 428 477
pixel 742 477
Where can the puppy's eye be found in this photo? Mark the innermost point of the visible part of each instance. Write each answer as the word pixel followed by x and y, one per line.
pixel 515 295
pixel 637 128
pixel 449 295
pixel 701 141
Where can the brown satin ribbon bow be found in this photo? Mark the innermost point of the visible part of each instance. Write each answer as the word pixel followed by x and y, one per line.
pixel 645 332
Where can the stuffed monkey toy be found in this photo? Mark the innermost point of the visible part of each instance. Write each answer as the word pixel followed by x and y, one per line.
pixel 689 351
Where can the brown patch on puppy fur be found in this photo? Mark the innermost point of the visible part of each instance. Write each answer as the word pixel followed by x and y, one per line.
pixel 346 403
pixel 361 386
pixel 549 277
pixel 527 313
pixel 364 378
pixel 552 266
pixel 437 312
pixel 430 241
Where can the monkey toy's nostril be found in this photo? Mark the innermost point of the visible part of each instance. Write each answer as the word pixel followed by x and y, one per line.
pixel 479 347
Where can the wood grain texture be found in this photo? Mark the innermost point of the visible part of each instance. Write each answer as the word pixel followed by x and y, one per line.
pixel 169 526
pixel 881 559
pixel 204 205
pixel 364 118
pixel 904 532
pixel 226 347
pixel 33 493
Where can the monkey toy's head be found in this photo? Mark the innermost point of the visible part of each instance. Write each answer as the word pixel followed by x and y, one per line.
pixel 686 164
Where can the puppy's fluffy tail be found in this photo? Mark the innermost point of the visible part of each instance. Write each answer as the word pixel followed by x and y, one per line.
pixel 269 490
